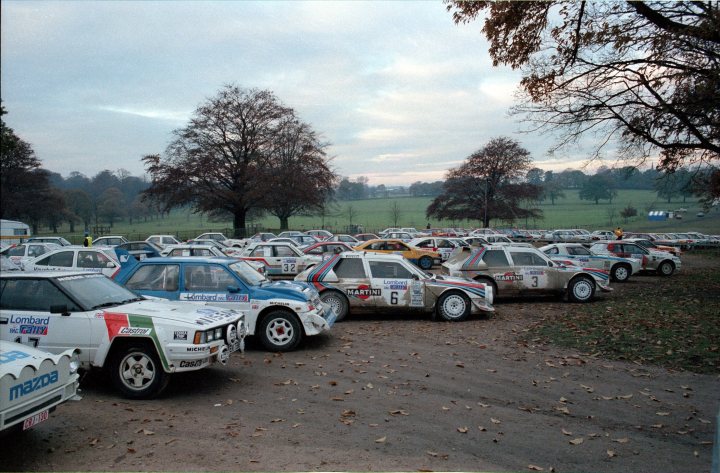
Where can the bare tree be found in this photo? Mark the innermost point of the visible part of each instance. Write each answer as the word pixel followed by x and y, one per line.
pixel 213 164
pixel 395 213
pixel 488 186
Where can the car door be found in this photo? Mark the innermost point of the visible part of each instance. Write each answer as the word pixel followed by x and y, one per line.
pixel 156 279
pixel 25 317
pixel 501 270
pixel 215 284
pixel 62 260
pixel 391 285
pixel 532 271
pixel 96 261
pixel 286 260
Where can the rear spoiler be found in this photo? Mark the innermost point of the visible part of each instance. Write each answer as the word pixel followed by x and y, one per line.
pixel 127 263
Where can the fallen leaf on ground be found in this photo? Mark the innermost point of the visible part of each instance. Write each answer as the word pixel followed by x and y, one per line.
pixel 610 453
pixel 535 468
pixel 381 439
pixel 462 430
pixel 495 421
pixel 577 441
pixel 622 440
pixel 565 432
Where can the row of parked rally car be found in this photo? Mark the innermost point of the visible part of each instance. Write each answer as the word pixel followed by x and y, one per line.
pixel 144 318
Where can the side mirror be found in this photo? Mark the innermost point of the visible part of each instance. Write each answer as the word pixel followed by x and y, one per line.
pixel 61 309
pixel 550 263
pixel 415 277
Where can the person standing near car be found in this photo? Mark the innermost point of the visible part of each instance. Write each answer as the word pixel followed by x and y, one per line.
pixel 618 233
pixel 87 241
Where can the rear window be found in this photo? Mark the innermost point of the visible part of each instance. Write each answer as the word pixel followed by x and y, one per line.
pixel 351 268
pixel 495 258
pixel 155 277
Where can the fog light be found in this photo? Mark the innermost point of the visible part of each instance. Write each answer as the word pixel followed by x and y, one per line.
pixel 218 333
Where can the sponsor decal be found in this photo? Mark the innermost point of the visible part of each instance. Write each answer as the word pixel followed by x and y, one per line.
pixel 180 335
pixel 363 292
pixel 116 321
pixel 395 284
pixel 191 364
pixel 9 356
pixel 210 316
pixel 510 276
pixel 34 384
pixel 213 297
pixel 29 325
pixel 416 294
pixel 99 315
pixel 134 331
pixel 535 272
pixel 255 306
pixel 197 349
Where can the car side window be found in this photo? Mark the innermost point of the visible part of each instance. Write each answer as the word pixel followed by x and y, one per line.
pixel 36 250
pixel 495 258
pixel 445 244
pixel 389 269
pixel 63 259
pixel 525 258
pixel 17 251
pixel 378 245
pixel 155 277
pixel 552 251
pixel 425 244
pixel 284 251
pixel 92 259
pixel 580 251
pixel 351 268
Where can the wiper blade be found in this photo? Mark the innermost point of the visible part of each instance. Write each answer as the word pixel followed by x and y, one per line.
pixel 105 304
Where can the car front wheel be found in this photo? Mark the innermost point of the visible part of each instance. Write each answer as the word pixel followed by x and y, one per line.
pixel 280 331
pixel 581 289
pixel 454 306
pixel 337 302
pixel 620 272
pixel 666 268
pixel 137 373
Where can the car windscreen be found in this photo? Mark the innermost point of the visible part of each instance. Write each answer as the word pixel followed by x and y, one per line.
pixel 95 291
pixel 247 273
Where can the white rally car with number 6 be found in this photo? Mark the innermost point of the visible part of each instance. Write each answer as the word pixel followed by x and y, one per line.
pixel 373 281
pixel 139 342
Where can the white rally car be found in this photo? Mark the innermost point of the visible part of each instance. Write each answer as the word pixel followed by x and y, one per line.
pixel 575 254
pixel 139 342
pixel 33 383
pixel 442 245
pixel 100 260
pixel 281 260
pixel 356 281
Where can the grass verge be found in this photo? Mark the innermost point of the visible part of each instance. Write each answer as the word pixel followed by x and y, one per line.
pixel 672 322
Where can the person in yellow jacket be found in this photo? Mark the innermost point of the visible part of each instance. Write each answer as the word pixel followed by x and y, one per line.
pixel 618 233
pixel 87 241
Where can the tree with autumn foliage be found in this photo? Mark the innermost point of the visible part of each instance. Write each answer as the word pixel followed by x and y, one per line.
pixel 229 159
pixel 489 185
pixel 645 74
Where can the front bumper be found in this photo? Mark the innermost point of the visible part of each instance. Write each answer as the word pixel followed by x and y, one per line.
pixel 318 320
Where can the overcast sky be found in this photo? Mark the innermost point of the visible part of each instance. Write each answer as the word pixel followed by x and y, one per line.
pixel 400 91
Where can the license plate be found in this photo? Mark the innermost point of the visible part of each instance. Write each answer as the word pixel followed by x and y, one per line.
pixel 36 419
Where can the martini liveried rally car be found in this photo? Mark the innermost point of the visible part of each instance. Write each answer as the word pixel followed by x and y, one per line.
pixel 139 342
pixel 521 269
pixel 355 281
pixel 33 383
pixel 280 313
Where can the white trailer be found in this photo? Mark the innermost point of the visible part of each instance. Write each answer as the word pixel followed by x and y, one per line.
pixel 12 232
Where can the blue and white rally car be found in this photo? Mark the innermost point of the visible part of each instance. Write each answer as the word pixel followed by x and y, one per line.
pixel 281 313
pixel 575 254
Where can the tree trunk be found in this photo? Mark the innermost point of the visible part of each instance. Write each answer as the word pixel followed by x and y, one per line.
pixel 72 227
pixel 283 223
pixel 239 223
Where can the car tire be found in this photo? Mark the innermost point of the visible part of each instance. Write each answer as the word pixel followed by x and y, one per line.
pixel 137 373
pixel 453 306
pixel 280 331
pixel 620 272
pixel 490 283
pixel 666 268
pixel 337 302
pixel 581 289
pixel 425 262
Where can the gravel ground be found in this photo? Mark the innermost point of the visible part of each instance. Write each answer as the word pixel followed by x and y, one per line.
pixel 386 393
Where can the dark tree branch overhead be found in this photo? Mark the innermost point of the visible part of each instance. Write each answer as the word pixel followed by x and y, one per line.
pixel 645 75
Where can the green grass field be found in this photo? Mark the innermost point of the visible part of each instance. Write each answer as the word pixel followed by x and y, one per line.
pixel 376 214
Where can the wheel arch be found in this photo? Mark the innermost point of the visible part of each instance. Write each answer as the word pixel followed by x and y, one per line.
pixel 274 308
pixel 121 343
